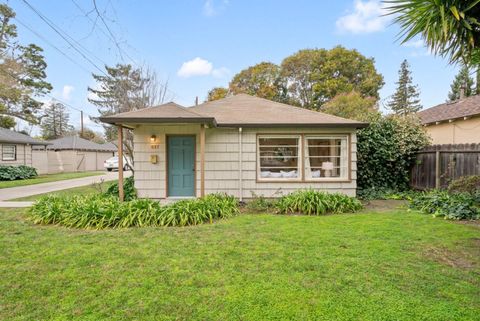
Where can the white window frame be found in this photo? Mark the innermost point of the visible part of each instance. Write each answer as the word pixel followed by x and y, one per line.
pixel 14 157
pixel 299 156
pixel 344 168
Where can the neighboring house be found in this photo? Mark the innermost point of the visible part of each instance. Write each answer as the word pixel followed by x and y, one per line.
pixel 242 146
pixel 16 149
pixel 75 154
pixel 457 122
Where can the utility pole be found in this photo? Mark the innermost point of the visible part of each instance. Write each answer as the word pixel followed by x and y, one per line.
pixel 81 123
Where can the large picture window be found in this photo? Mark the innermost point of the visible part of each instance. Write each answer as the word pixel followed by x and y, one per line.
pixel 326 157
pixel 9 152
pixel 278 157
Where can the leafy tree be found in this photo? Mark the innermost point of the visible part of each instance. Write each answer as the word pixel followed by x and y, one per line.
pixel 93 136
pixel 462 79
pixel 55 122
pixel 22 72
pixel 386 151
pixel 450 28
pixel 261 80
pixel 477 86
pixel 217 93
pixel 7 122
pixel 352 106
pixel 405 100
pixel 314 76
pixel 123 89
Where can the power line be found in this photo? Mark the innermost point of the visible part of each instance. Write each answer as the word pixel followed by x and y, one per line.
pixel 52 45
pixel 65 37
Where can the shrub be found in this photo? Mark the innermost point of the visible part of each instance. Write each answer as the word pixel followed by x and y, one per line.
pixel 311 202
pixel 465 184
pixel 258 204
pixel 11 173
pixel 386 194
pixel 386 152
pixel 129 190
pixel 100 211
pixel 460 206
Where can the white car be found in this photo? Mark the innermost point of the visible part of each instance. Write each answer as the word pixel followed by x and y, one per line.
pixel 112 163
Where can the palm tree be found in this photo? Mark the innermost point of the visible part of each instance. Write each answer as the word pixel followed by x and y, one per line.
pixel 450 28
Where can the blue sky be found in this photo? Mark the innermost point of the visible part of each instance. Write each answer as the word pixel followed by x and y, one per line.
pixel 199 44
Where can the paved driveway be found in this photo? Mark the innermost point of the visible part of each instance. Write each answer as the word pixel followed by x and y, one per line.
pixel 23 191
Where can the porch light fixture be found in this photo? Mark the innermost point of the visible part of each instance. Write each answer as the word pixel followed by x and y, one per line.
pixel 153 138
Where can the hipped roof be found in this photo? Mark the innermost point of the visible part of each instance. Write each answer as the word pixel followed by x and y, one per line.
pixel 77 143
pixel 466 107
pixel 235 111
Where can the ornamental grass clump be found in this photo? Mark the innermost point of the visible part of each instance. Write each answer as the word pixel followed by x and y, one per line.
pixel 311 202
pixel 100 211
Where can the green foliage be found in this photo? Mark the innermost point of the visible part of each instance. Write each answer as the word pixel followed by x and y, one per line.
pixel 311 202
pixel 369 194
pixel 55 122
pixel 406 99
pixel 129 190
pixel 259 204
pixel 262 80
pixel 386 151
pixel 7 122
pixel 99 211
pixel 352 106
pixel 450 28
pixel 461 206
pixel 217 93
pixel 462 79
pixel 11 173
pixel 22 72
pixel 465 184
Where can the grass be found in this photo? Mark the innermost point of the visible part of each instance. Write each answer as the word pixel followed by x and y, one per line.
pixel 392 265
pixel 47 178
pixel 81 190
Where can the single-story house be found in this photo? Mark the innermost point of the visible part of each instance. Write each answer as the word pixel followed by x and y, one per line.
pixel 455 122
pixel 75 154
pixel 240 145
pixel 16 149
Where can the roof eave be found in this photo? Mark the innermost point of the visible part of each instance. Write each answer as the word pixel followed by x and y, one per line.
pixel 303 125
pixel 164 120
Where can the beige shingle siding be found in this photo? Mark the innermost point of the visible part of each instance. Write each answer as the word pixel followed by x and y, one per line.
pixel 221 166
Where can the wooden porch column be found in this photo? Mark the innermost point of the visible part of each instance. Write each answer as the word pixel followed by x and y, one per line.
pixel 120 163
pixel 202 160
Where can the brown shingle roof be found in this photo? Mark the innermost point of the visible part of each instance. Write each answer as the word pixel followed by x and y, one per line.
pixel 466 107
pixel 77 143
pixel 169 112
pixel 239 110
pixel 10 136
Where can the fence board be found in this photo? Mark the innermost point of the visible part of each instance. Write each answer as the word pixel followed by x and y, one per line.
pixel 455 161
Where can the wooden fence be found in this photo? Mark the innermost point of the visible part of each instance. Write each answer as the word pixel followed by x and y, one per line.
pixel 438 165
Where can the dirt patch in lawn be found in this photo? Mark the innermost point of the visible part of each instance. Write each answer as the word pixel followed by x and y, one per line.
pixel 458 259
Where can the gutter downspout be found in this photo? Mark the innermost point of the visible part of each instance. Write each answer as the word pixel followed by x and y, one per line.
pixel 240 173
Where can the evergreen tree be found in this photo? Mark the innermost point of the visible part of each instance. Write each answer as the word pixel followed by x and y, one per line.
pixel 462 79
pixel 55 122
pixel 406 99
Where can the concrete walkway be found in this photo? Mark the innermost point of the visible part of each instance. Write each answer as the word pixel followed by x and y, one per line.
pixel 24 191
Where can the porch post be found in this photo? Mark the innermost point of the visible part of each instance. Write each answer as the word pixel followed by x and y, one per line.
pixel 120 163
pixel 202 160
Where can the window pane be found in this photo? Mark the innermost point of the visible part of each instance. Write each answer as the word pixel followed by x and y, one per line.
pixel 326 158
pixel 278 157
pixel 8 152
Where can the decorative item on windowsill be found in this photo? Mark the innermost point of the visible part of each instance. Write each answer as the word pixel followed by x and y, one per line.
pixel 328 168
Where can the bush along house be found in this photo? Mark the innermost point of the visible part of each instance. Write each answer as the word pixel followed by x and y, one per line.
pixel 240 145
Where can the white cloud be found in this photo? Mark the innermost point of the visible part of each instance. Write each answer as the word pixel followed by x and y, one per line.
pixel 201 67
pixel 210 9
pixel 414 44
pixel 367 17
pixel 67 92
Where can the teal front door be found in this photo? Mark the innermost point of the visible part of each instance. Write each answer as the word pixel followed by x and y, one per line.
pixel 181 165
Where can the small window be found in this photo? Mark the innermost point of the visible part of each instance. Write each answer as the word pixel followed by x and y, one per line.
pixel 278 157
pixel 9 152
pixel 326 157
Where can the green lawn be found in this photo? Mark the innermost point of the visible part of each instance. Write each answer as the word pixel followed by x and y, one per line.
pixel 81 190
pixel 47 178
pixel 371 266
